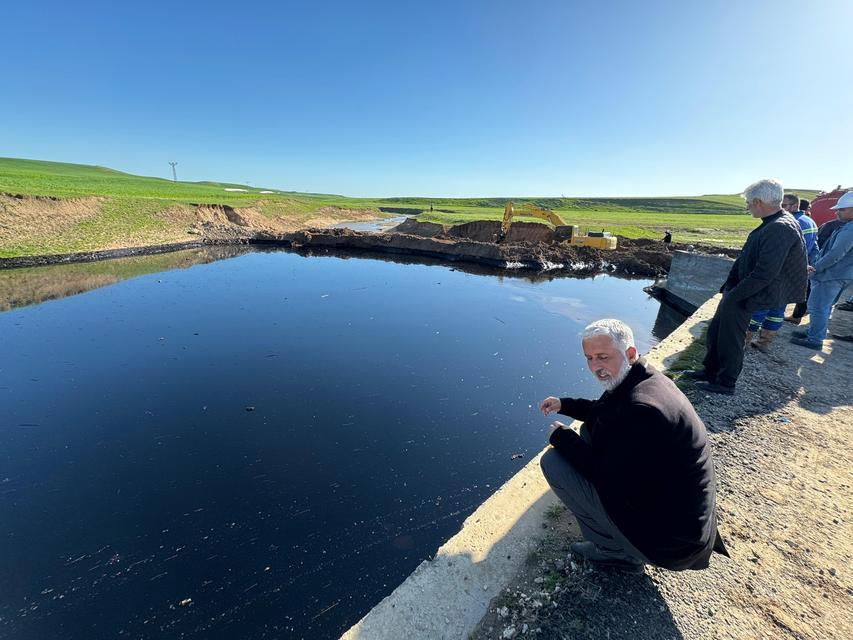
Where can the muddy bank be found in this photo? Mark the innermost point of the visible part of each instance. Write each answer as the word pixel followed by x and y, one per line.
pixel 108 254
pixel 526 248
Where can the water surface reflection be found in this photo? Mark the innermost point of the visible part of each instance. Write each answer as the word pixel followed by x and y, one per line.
pixel 266 446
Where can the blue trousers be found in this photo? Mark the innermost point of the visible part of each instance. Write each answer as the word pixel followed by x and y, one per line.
pixel 768 319
pixel 825 293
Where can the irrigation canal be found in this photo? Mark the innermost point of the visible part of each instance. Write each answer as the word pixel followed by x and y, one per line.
pixel 262 444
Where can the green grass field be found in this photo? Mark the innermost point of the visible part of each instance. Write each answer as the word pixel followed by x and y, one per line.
pixel 132 209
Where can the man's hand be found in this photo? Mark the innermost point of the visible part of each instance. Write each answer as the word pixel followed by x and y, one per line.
pixel 811 269
pixel 550 405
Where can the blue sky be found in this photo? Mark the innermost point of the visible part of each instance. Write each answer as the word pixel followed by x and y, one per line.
pixel 537 98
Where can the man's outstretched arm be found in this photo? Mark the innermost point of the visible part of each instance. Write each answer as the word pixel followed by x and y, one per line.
pixel 576 408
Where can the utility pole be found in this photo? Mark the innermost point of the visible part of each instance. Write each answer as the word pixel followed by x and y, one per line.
pixel 174 175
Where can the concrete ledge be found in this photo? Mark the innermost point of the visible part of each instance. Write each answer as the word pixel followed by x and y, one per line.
pixel 693 279
pixel 446 597
pixel 696 277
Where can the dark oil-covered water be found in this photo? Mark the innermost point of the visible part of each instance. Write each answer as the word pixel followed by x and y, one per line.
pixel 264 446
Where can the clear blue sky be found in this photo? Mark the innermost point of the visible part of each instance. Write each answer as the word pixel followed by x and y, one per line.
pixel 438 98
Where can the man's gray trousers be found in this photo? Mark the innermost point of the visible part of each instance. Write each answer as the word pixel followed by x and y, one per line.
pixel 581 497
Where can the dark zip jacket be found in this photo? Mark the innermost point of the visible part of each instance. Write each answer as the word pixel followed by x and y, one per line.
pixel 651 464
pixel 772 269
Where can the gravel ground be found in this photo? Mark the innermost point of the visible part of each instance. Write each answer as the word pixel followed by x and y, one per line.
pixel 783 458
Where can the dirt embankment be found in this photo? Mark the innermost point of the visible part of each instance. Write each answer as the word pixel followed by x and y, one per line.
pixel 49 230
pixel 528 246
pixel 25 217
pixel 222 222
pixel 26 220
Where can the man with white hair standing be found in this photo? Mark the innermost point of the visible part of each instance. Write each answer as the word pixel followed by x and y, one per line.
pixel 770 272
pixel 638 476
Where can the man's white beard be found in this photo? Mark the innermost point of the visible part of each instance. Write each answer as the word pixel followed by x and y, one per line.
pixel 610 384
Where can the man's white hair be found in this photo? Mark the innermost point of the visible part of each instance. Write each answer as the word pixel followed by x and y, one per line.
pixel 769 191
pixel 617 330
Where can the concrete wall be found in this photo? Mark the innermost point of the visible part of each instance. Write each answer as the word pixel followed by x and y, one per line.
pixel 696 277
pixel 446 597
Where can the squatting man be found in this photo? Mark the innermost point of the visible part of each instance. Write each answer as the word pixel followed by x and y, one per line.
pixel 638 475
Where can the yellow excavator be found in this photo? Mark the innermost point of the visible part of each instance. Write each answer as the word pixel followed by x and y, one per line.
pixel 562 231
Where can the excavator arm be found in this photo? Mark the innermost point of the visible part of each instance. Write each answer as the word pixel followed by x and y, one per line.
pixel 562 231
pixel 529 209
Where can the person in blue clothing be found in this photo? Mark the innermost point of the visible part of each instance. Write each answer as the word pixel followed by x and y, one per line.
pixel 830 274
pixel 810 234
pixel 767 322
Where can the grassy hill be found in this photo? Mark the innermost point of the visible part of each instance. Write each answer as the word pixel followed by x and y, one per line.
pixel 113 208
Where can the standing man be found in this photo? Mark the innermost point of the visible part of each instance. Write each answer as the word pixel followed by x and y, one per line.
pixel 767 322
pixel 830 275
pixel 810 235
pixel 771 271
pixel 639 476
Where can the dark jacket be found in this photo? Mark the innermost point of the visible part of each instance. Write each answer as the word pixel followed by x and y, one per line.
pixel 772 269
pixel 651 465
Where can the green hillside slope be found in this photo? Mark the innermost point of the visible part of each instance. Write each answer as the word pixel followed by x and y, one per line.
pixel 109 209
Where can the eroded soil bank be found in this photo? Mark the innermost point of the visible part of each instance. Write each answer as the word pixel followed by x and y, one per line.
pixel 53 230
pixel 528 246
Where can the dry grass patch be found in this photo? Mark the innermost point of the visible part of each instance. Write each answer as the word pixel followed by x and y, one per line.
pixel 23 219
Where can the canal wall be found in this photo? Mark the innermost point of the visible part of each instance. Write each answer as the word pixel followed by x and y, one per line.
pixel 445 597
pixel 693 278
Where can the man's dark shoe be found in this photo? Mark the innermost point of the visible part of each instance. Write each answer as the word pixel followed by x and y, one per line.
pixel 793 319
pixel 805 342
pixel 842 338
pixel 714 387
pixel 845 306
pixel 799 334
pixel 599 557
pixel 696 374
